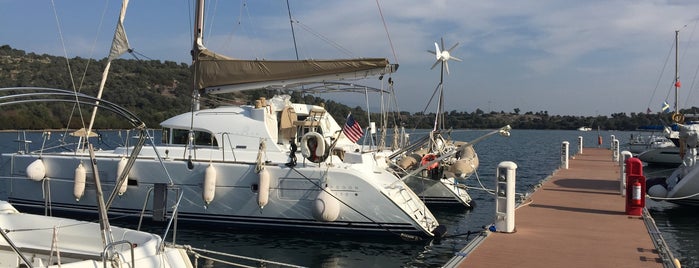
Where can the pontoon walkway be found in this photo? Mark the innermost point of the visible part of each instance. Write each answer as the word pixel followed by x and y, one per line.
pixel 576 219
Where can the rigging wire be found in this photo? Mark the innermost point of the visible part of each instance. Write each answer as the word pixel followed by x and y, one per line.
pixel 691 86
pixel 327 40
pixel 212 19
pixel 293 34
pixel 395 57
pixel 76 88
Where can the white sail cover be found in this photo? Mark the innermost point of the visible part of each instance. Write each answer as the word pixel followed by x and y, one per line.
pixel 120 44
pixel 220 74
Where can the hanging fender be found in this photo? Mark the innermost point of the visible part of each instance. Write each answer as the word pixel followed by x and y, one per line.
pixel 209 184
pixel 120 170
pixel 326 206
pixel 313 147
pixel 36 170
pixel 79 183
pixel 467 165
pixel 263 190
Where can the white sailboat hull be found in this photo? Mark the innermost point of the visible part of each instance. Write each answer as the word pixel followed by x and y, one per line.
pixel 441 192
pixel 379 204
pixel 42 239
pixel 669 156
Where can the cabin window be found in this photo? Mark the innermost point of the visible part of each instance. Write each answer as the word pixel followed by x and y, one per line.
pixel 180 136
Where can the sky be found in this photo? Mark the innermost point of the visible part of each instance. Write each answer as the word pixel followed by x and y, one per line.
pixel 564 57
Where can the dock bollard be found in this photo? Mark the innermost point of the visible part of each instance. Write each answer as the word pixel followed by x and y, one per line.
pixel 564 154
pixel 615 150
pixel 625 155
pixel 505 198
pixel 611 141
pixel 580 144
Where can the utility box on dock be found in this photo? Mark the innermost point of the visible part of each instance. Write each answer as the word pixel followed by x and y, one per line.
pixel 635 187
pixel 505 197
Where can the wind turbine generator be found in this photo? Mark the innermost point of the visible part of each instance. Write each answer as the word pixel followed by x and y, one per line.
pixel 443 56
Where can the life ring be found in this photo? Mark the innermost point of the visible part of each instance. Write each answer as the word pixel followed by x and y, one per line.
pixel 313 147
pixel 678 118
pixel 426 159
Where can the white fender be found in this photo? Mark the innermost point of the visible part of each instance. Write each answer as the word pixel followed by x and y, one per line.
pixel 320 148
pixel 327 207
pixel 409 161
pixel 36 170
pixel 657 191
pixel 209 184
pixel 467 165
pixel 120 169
pixel 263 192
pixel 79 184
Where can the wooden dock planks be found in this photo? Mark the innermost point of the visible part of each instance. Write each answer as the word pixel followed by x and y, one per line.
pixel 576 219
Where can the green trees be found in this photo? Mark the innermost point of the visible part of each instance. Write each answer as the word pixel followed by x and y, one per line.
pixel 156 90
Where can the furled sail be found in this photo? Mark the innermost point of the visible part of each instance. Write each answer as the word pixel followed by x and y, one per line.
pixel 216 73
pixel 120 45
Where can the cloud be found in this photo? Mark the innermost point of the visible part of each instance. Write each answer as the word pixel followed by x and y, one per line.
pixel 528 53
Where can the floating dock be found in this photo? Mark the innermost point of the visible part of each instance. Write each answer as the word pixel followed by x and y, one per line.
pixel 576 219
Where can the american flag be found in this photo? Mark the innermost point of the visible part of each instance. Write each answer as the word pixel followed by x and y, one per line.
pixel 352 129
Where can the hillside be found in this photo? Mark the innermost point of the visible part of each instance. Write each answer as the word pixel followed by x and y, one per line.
pixel 156 90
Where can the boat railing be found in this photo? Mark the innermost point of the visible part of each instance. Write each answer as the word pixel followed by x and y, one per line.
pixel 226 136
pixel 15 248
pixel 172 223
pixel 105 255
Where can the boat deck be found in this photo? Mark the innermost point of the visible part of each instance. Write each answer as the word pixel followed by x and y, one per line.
pixel 576 219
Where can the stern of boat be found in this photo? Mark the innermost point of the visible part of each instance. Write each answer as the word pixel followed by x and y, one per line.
pixel 411 204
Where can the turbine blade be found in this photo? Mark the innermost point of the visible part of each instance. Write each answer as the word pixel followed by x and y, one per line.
pixel 452 47
pixel 435 64
pixel 455 58
pixel 430 51
pixel 438 52
pixel 446 66
pixel 442 38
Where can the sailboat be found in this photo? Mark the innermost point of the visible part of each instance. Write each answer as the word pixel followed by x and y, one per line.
pixel 30 240
pixel 682 186
pixel 436 166
pixel 670 155
pixel 271 165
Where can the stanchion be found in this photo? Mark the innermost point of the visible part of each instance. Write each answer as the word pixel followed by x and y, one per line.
pixel 625 155
pixel 580 144
pixel 564 155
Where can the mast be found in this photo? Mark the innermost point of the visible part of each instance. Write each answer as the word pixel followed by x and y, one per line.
pixel 677 117
pixel 197 47
pixel 677 76
pixel 120 45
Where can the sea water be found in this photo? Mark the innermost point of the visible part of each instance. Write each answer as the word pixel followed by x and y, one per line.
pixel 537 154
